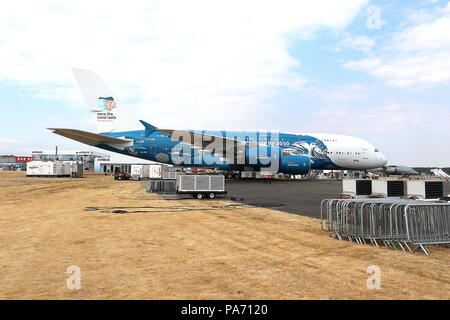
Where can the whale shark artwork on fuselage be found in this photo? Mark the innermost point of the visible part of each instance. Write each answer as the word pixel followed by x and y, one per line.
pixel 290 153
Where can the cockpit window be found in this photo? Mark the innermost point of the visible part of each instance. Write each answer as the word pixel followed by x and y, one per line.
pixel 376 150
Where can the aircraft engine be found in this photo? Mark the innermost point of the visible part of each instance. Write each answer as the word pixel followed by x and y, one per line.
pixel 295 164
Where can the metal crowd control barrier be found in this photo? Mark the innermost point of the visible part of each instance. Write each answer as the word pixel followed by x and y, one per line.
pixel 397 223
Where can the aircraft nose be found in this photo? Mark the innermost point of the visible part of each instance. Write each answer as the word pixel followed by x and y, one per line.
pixel 383 159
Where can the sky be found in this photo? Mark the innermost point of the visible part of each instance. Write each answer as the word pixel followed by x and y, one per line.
pixel 378 70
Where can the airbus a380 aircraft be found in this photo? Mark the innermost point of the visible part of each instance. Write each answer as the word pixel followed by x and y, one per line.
pixel 228 150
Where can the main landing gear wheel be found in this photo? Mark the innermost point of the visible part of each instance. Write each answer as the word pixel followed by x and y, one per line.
pixel 212 195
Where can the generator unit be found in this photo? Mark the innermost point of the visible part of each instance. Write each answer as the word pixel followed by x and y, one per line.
pixel 425 189
pixel 48 169
pixel 357 188
pixel 76 170
pixel 388 188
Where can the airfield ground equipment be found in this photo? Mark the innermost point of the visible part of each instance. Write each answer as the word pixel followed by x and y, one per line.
pixel 388 188
pixel 398 223
pixel 248 174
pixel 156 171
pixel 357 188
pixel 140 171
pixel 201 186
pixel 161 186
pixel 171 175
pixel 425 189
pixel 76 170
pixel 48 169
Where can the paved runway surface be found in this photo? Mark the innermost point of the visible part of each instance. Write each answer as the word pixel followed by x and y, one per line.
pixel 299 197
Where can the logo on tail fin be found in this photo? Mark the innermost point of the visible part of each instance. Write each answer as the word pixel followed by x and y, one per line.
pixel 106 103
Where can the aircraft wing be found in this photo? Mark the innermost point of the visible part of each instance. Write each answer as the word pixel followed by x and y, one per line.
pixel 92 139
pixel 229 145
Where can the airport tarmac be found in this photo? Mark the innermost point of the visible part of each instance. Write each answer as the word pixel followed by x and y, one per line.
pixel 298 197
pixel 129 244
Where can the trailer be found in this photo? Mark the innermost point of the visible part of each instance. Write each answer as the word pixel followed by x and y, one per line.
pixel 201 186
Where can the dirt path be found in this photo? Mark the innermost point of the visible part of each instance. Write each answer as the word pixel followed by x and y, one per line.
pixel 185 249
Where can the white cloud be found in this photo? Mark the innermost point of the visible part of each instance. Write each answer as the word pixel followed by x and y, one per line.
pixel 361 43
pixel 419 55
pixel 406 132
pixel 391 119
pixel 170 59
pixel 10 141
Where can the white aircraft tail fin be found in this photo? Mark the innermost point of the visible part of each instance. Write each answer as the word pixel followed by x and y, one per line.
pixel 109 115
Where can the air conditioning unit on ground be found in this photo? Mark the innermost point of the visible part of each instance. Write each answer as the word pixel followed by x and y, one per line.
pixel 357 188
pixel 388 188
pixel 424 189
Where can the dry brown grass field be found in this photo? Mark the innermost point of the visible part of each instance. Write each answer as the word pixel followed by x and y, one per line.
pixel 186 249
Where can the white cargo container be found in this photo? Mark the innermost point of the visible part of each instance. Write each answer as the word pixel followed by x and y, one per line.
pixel 140 171
pixel 64 169
pixel 156 171
pixel 145 171
pixel 136 171
pixel 48 169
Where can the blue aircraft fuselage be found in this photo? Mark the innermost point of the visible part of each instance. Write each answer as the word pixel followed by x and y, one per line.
pixel 160 147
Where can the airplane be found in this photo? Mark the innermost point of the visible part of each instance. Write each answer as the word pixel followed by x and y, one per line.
pixel 395 170
pixel 276 152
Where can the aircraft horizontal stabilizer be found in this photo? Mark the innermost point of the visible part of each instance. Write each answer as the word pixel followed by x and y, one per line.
pixel 92 139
